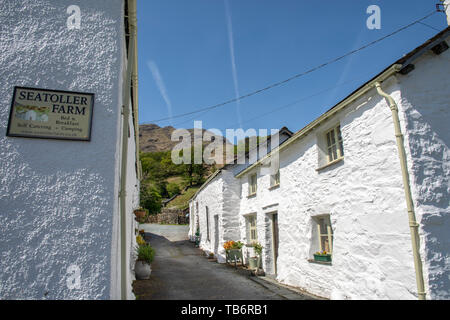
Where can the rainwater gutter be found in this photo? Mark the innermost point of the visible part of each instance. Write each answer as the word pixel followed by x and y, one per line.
pixel 413 225
pixel 124 160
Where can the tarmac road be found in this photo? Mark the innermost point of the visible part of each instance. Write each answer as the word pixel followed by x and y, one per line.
pixel 181 272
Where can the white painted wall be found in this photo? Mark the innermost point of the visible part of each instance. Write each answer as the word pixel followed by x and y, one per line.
pixel 364 195
pixel 425 100
pixel 58 199
pixel 365 199
pixel 222 196
pixel 211 197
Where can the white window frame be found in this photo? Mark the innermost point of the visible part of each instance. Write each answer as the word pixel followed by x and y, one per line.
pixel 208 238
pixel 334 144
pixel 275 179
pixel 252 187
pixel 324 231
pixel 252 228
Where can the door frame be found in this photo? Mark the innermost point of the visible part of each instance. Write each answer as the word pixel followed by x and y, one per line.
pixel 274 249
pixel 216 234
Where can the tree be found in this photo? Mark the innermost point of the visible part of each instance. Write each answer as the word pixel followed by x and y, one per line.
pixel 150 199
pixel 193 173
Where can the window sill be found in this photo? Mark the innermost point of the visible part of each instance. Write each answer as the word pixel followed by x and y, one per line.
pixel 319 262
pixel 251 195
pixel 274 187
pixel 329 164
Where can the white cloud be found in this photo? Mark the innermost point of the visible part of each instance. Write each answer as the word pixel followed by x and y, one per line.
pixel 233 60
pixel 160 84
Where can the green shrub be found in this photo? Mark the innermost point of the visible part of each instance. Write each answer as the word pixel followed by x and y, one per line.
pixel 150 199
pixel 258 248
pixel 145 253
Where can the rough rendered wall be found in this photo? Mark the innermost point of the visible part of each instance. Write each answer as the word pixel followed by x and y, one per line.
pixel 425 103
pixel 229 228
pixel 57 198
pixel 372 255
pixel 212 197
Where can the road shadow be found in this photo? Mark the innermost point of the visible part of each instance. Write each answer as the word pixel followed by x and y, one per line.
pixel 180 271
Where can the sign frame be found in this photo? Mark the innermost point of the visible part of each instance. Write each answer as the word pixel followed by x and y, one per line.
pixel 32 136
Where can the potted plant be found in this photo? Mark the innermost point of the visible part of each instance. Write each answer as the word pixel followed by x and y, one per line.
pixel 197 238
pixel 233 250
pixel 140 213
pixel 142 268
pixel 322 256
pixel 253 262
pixel 140 240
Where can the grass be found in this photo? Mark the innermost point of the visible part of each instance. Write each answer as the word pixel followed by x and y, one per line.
pixel 179 180
pixel 182 201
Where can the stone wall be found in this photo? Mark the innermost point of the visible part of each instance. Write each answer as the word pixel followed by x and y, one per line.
pixel 169 216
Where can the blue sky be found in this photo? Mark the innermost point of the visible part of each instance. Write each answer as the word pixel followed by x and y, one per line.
pixel 198 53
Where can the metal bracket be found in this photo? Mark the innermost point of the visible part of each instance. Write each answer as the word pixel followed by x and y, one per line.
pixel 413 224
pixel 125 110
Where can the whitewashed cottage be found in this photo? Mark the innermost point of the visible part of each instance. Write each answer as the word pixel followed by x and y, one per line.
pixel 66 202
pixel 367 182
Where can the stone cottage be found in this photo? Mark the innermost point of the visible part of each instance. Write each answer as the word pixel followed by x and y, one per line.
pixel 67 198
pixel 367 182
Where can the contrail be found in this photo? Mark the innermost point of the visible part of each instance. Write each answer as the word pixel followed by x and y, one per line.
pixel 161 87
pixel 343 75
pixel 233 61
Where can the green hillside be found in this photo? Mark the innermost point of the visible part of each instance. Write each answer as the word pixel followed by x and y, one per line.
pixel 162 179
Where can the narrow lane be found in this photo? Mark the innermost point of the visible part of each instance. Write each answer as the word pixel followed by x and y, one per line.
pixel 181 272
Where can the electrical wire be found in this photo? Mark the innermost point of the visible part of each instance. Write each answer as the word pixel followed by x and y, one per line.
pixel 297 101
pixel 276 84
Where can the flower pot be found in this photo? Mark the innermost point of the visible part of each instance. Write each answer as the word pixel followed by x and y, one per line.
pixel 253 262
pixel 142 270
pixel 139 214
pixel 323 258
pixel 234 255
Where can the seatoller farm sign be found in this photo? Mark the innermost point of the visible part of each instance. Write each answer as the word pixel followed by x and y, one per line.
pixel 50 114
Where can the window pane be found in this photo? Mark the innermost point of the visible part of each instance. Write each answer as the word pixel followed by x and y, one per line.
pixel 328 140
pixel 333 140
pixel 334 152
pixel 341 145
pixel 325 243
pixel 339 133
pixel 275 179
